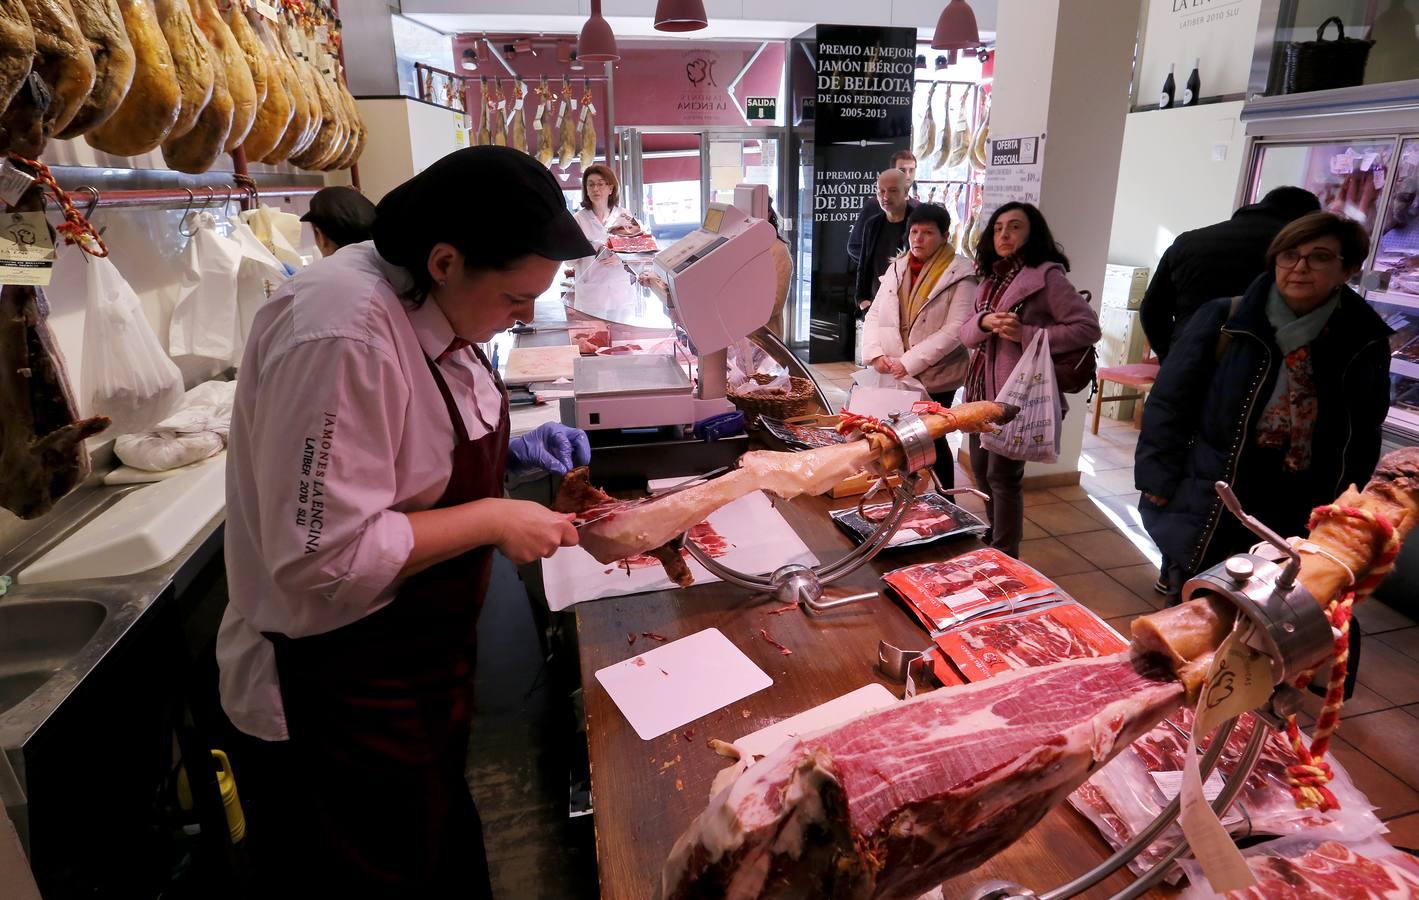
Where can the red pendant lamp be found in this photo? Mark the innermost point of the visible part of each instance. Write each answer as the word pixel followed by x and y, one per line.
pixel 597 43
pixel 956 29
pixel 680 15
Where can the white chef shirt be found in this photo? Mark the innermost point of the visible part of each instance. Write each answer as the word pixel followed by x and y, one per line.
pixel 338 430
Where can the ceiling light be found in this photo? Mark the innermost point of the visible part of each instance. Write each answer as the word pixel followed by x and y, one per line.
pixel 597 42
pixel 956 29
pixel 680 15
pixel 920 61
pixel 470 60
pixel 576 65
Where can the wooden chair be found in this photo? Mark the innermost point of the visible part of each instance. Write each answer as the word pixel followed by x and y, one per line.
pixel 1140 375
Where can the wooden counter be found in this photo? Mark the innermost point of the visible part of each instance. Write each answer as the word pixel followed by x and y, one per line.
pixel 645 793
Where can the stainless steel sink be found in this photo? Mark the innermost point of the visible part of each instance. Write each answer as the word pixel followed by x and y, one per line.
pixel 37 637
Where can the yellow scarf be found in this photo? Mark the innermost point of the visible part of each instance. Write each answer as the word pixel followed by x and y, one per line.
pixel 912 297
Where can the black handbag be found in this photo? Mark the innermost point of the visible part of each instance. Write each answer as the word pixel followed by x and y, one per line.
pixel 1322 64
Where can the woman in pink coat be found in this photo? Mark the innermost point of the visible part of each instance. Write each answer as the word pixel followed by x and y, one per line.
pixel 1023 289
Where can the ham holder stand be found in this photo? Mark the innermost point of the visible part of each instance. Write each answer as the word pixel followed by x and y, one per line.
pixel 797 583
pixel 1288 626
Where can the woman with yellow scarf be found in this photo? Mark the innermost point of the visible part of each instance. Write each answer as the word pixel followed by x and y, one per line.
pixel 913 326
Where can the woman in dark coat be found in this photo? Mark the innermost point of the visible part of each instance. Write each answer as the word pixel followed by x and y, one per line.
pixel 1280 393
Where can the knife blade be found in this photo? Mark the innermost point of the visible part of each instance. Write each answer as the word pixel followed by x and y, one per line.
pixel 658 495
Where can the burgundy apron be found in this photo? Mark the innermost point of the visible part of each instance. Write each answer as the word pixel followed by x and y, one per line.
pixel 379 713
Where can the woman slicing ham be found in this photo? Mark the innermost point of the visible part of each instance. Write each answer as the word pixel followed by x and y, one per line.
pixel 364 501
pixel 603 284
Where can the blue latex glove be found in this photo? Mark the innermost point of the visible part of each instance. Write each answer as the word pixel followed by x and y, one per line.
pixel 552 447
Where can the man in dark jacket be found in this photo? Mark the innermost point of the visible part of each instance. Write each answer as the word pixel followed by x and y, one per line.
pixel 885 236
pixel 903 161
pixel 1217 261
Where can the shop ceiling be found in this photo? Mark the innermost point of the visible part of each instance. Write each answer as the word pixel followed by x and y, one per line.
pixel 728 19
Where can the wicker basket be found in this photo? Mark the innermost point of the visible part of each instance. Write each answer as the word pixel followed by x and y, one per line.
pixel 799 400
pixel 1322 64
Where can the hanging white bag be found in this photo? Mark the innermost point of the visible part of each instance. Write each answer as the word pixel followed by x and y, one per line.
pixel 1033 435
pixel 259 274
pixel 126 376
pixel 204 320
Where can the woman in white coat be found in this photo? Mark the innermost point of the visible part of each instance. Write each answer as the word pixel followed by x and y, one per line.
pixel 602 282
pixel 913 326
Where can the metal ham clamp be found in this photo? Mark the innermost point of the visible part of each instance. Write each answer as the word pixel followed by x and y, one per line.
pixel 804 585
pixel 1287 625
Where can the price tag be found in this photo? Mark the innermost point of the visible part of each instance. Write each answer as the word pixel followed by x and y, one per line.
pixel 266 9
pixel 1238 681
pixel 13 183
pixel 1170 783
pixel 26 249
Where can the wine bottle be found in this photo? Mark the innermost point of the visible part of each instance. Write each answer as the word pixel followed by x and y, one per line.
pixel 1170 87
pixel 1193 91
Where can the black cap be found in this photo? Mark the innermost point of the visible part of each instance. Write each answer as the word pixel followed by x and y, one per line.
pixel 498 200
pixel 342 214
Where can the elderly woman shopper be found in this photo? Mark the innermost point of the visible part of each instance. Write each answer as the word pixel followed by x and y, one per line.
pixel 1280 392
pixel 913 326
pixel 1024 289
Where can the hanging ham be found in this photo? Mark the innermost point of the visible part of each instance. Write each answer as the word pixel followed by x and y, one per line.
pixel 274 113
pixel 150 110
pixel 16 48
pixel 588 129
pixel 194 151
pixel 301 114
pixel 114 62
pixel 497 123
pixel 228 56
pixel 517 131
pixel 926 138
pixel 484 136
pixel 566 153
pixel 960 136
pixel 546 135
pixel 258 65
pixel 192 61
pixel 61 69
pixel 41 435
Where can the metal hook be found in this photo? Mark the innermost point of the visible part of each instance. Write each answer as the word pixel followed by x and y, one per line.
pixel 182 228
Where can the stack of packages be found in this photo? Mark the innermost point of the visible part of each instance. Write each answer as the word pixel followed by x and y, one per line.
pixel 988 614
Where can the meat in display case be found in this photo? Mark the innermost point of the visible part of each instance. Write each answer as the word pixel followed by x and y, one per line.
pixel 1395 273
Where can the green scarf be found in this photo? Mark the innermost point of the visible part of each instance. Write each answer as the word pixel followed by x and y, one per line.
pixel 1292 331
pixel 913 295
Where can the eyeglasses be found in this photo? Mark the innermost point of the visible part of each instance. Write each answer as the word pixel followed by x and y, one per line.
pixel 1316 259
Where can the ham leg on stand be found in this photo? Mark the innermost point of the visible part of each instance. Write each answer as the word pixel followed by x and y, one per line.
pixel 648 526
pixel 899 800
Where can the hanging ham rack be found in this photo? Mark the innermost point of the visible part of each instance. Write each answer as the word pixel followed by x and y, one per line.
pixel 1289 626
pixel 243 189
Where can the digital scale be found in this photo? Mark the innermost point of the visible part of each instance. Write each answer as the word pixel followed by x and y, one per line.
pixel 719 287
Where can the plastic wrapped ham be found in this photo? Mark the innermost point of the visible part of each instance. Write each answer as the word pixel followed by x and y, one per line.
pixel 1128 793
pixel 1307 866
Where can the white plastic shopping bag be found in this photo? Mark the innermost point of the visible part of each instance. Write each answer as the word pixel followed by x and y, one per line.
pixel 204 320
pixel 258 276
pixel 1033 435
pixel 126 375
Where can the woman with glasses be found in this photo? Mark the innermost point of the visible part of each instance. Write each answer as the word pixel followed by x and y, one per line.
pixel 603 284
pixel 1280 392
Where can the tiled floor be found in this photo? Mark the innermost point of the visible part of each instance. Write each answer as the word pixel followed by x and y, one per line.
pixel 1090 540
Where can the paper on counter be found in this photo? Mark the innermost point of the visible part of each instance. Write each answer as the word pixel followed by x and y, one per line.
pixel 825 715
pixel 758 538
pixel 677 683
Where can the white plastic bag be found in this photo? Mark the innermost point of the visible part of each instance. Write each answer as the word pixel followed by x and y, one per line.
pixel 126 375
pixel 1033 435
pixel 258 277
pixel 204 320
pixel 193 433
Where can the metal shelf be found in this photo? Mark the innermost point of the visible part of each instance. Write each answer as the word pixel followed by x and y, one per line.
pixel 1404 367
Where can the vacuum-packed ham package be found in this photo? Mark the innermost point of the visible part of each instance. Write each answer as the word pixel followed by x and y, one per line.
pixel 1127 794
pixel 1307 866
pixel 970 586
pixel 932 518
pixel 1039 637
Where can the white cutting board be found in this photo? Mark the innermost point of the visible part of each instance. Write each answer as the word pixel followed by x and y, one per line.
pixel 143 530
pixel 528 364
pixel 677 683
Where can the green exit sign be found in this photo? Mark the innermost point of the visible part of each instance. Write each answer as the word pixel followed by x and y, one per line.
pixel 761 108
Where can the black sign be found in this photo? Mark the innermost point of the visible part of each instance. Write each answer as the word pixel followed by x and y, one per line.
pixel 1014 151
pixel 861 112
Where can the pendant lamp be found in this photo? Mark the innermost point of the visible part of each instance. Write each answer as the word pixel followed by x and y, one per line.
pixel 680 15
pixel 956 29
pixel 597 43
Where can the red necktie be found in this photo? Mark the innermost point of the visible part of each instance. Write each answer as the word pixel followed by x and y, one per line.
pixel 454 346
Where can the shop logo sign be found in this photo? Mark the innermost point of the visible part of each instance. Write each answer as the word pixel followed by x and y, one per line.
pixel 703 100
